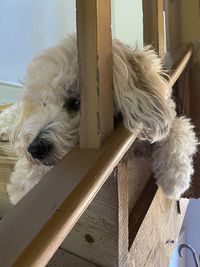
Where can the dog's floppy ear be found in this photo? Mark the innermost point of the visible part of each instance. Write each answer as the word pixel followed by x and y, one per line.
pixel 141 92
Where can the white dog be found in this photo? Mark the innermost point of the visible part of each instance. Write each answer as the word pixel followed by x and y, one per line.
pixel 44 125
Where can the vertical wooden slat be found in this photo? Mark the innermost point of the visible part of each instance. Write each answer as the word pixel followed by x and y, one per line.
pixel 95 47
pixel 154 24
pixel 122 181
pixel 160 21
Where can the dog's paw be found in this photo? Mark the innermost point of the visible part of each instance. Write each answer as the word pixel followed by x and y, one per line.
pixel 174 188
pixel 172 193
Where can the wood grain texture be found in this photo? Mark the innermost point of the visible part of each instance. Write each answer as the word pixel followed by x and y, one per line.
pixel 95 236
pixel 180 65
pixel 122 212
pixel 157 236
pixel 63 258
pixel 153 32
pixel 160 27
pixel 95 63
pixel 57 213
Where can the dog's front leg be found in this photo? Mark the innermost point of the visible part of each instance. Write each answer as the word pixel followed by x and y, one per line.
pixel 7 119
pixel 172 158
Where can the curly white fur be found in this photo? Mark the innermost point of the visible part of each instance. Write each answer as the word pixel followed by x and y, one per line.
pixel 172 158
pixel 141 94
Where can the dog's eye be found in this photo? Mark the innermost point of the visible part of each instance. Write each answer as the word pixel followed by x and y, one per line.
pixel 72 104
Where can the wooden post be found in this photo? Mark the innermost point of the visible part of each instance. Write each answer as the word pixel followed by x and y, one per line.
pixel 95 61
pixel 154 25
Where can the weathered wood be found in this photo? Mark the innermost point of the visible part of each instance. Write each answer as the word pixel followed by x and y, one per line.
pixel 140 209
pixel 63 258
pixel 122 211
pixel 96 231
pixel 160 27
pixel 95 61
pixel 157 236
pixel 180 65
pixel 95 235
pixel 154 25
pixel 52 222
pixel 101 234
pixel 139 170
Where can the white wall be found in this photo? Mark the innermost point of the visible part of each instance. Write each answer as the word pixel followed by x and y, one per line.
pixel 28 26
pixel 191 225
pixel 127 21
pixel 190 234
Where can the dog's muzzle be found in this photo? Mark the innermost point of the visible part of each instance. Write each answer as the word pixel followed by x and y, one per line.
pixel 40 148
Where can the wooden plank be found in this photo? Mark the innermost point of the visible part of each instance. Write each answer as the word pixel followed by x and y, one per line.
pixel 95 61
pixel 100 219
pixel 107 231
pixel 101 234
pixel 44 229
pixel 140 209
pixel 122 189
pixel 157 236
pixel 180 65
pixel 139 170
pixel 64 258
pixel 154 25
pixel 160 27
pixel 95 235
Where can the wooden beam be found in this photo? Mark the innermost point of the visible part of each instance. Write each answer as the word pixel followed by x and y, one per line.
pixel 156 239
pixel 95 61
pixel 43 229
pixel 140 209
pixel 154 25
pixel 180 65
pixel 161 29
pixel 122 190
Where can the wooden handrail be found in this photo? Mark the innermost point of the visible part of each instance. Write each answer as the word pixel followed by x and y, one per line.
pixel 95 68
pixel 180 65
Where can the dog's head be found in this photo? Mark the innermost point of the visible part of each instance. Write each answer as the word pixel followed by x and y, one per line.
pixel 48 125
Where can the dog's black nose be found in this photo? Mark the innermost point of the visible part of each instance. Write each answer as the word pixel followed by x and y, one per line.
pixel 39 148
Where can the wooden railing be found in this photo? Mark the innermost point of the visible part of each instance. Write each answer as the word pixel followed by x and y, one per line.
pixel 47 214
